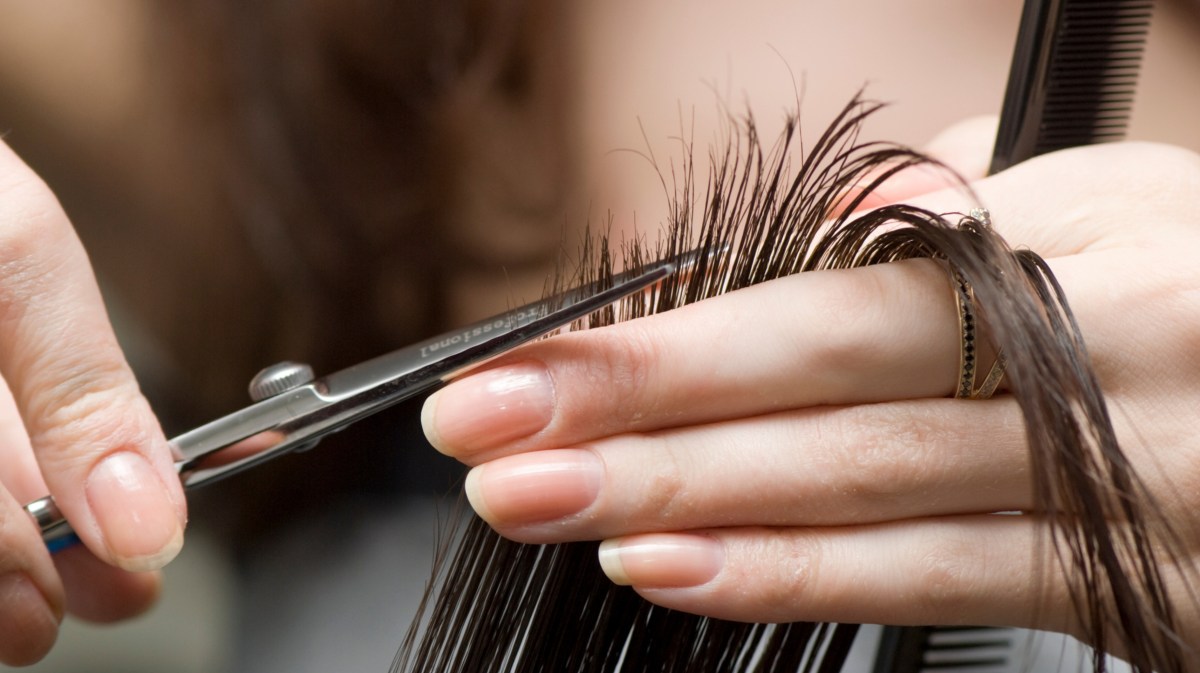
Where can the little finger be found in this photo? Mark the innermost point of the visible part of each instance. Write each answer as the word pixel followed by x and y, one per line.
pixel 981 570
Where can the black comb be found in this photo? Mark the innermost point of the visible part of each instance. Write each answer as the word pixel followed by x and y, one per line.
pixel 1073 76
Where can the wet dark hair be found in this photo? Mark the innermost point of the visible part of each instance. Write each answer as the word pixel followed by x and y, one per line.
pixel 497 605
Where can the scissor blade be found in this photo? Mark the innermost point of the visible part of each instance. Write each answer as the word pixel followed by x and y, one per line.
pixel 302 416
pixel 436 360
pixel 449 353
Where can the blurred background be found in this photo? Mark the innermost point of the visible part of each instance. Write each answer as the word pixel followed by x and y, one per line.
pixel 325 181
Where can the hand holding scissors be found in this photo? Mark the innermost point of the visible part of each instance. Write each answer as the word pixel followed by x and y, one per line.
pixel 291 411
pixel 77 427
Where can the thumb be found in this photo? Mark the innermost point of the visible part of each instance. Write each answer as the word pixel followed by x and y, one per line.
pixel 99 447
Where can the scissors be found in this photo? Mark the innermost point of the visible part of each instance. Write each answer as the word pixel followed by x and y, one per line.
pixel 292 411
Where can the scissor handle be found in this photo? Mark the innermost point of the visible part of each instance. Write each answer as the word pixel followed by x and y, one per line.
pixel 56 532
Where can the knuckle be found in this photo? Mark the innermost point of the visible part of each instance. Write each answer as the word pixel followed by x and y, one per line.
pixel 1156 163
pixel 1160 303
pixel 1167 161
pixel 792 585
pixel 1168 177
pixel 91 409
pixel 878 465
pixel 666 496
pixel 71 387
pixel 1100 193
pixel 35 246
pixel 944 571
pixel 848 334
pixel 1162 189
pixel 626 364
pixel 32 220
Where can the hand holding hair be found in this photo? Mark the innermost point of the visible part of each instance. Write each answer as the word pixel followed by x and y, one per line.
pixel 75 424
pixel 792 451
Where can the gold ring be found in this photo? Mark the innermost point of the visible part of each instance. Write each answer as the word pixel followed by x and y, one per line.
pixel 968 354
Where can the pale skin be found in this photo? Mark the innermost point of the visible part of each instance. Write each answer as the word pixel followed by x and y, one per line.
pixel 791 451
pixel 75 426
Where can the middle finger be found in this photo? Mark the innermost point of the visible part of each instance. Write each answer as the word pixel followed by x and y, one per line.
pixel 811 467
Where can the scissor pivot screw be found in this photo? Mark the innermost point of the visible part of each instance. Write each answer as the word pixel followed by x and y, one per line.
pixel 279 378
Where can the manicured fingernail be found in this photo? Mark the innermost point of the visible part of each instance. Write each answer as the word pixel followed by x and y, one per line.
pixel 27 620
pixel 137 517
pixel 662 560
pixel 535 487
pixel 488 409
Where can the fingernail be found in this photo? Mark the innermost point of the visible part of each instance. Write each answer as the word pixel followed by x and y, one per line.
pixel 27 620
pixel 662 560
pixel 535 487
pixel 136 514
pixel 486 410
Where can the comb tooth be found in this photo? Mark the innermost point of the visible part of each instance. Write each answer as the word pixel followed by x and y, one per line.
pixel 928 649
pixel 1108 51
pixel 1096 98
pixel 1084 103
pixel 970 648
pixel 1091 112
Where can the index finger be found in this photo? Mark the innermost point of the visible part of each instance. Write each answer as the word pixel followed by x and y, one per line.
pixel 99 446
pixel 855 336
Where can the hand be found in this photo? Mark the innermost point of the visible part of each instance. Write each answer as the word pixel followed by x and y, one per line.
pixel 790 452
pixel 75 426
